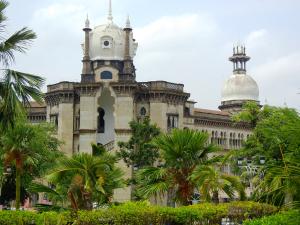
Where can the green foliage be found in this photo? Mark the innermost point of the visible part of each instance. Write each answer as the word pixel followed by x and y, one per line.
pixel 29 149
pixel 142 213
pixel 29 218
pixel 211 181
pixel 83 179
pixel 291 217
pixel 139 151
pixel 250 113
pixel 180 152
pixel 16 88
pixel 276 138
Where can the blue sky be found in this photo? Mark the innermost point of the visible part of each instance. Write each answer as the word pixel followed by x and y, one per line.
pixel 179 41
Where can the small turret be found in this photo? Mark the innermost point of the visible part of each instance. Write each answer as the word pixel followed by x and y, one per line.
pixel 86 75
pixel 239 59
pixel 128 64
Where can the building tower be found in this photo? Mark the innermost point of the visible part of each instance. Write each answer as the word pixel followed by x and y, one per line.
pixel 108 52
pixel 86 75
pixel 240 87
pixel 128 70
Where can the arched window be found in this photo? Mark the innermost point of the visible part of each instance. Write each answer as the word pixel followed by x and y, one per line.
pixel 106 75
pixel 143 111
pixel 101 122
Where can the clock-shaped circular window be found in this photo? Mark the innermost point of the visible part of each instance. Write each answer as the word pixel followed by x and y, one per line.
pixel 143 111
pixel 106 43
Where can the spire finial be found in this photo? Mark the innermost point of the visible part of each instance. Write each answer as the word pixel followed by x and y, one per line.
pixel 87 22
pixel 239 58
pixel 110 17
pixel 127 22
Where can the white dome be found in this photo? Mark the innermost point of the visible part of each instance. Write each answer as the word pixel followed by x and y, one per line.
pixel 107 42
pixel 240 87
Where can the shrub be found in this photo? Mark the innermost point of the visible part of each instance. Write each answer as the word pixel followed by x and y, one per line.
pixel 289 217
pixel 142 213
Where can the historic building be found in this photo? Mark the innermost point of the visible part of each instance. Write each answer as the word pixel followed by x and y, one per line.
pixel 99 108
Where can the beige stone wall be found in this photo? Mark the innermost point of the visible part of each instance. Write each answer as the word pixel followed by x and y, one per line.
pixel 88 122
pixel 124 108
pixel 65 127
pixel 159 112
pixel 123 194
pixel 124 111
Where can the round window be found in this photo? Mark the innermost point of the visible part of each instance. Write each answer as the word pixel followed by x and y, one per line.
pixel 106 43
pixel 143 111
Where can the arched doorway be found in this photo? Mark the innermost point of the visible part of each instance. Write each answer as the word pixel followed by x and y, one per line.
pixel 105 118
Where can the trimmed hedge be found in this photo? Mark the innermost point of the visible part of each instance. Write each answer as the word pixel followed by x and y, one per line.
pixel 142 213
pixel 289 217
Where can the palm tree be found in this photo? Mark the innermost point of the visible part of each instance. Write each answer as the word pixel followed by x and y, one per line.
pixel 280 183
pixel 211 181
pixel 16 88
pixel 181 151
pixel 87 178
pixel 27 145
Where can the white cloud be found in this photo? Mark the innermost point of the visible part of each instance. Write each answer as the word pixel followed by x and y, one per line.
pixel 58 10
pixel 256 36
pixel 177 49
pixel 175 27
pixel 280 80
pixel 257 40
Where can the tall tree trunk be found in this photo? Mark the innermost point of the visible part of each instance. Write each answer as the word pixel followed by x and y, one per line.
pixel 18 183
pixel 215 197
pixel 170 197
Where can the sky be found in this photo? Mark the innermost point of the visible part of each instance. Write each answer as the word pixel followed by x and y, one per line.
pixel 179 41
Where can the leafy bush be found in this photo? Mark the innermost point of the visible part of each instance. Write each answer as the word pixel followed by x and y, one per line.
pixel 289 217
pixel 142 213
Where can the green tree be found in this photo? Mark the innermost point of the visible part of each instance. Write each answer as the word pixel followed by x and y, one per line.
pixel 276 138
pixel 250 113
pixel 86 178
pixel 16 88
pixel 211 181
pixel 139 151
pixel 181 152
pixel 27 146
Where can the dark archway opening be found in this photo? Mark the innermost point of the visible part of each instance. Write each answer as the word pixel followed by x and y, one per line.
pixel 101 121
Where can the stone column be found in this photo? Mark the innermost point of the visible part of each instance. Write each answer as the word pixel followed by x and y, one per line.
pixel 124 108
pixel 65 126
pixel 88 119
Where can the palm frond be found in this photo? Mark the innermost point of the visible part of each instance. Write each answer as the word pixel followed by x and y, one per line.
pixel 16 90
pixel 18 41
pixel 41 188
pixel 3 5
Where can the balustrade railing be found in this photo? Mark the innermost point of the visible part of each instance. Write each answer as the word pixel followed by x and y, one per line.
pixel 159 85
